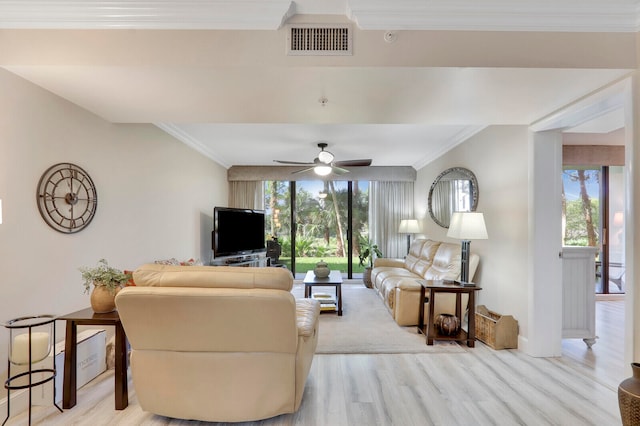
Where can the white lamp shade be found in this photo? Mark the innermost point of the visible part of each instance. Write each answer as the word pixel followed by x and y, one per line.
pixel 467 226
pixel 409 226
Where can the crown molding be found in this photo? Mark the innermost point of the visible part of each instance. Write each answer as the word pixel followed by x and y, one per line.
pixel 190 141
pixel 588 108
pixel 498 15
pixel 448 145
pixel 486 15
pixel 145 14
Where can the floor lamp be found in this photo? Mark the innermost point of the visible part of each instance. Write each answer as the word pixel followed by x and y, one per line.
pixel 409 226
pixel 467 226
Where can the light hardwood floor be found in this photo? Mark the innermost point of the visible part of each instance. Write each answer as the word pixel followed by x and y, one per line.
pixel 478 387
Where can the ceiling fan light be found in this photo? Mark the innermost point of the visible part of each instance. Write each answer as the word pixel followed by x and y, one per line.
pixel 325 156
pixel 322 170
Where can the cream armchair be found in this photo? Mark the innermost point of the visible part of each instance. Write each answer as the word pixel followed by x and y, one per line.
pixel 218 343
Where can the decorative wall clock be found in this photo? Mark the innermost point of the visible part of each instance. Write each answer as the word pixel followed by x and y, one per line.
pixel 67 198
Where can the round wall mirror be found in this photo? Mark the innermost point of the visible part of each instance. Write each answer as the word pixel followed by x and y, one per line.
pixel 454 190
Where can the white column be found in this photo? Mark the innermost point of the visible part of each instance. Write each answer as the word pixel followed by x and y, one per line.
pixel 544 337
pixel 632 236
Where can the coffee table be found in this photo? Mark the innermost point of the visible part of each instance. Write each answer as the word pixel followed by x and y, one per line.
pixel 334 280
pixel 88 317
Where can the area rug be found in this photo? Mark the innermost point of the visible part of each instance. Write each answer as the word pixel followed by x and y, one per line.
pixel 366 326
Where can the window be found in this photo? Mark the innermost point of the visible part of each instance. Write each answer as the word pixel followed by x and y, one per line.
pixel 593 206
pixel 328 221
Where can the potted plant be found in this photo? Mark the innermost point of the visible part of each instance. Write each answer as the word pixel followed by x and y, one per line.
pixel 106 281
pixel 367 252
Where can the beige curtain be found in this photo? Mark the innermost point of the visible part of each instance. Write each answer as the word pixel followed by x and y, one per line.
pixel 246 195
pixel 442 201
pixel 389 203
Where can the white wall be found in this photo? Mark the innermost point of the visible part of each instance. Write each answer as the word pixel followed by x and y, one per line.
pixel 155 200
pixel 498 157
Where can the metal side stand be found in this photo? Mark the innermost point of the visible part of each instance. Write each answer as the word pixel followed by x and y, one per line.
pixel 34 353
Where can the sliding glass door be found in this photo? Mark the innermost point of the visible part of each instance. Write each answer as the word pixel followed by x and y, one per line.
pixel 614 280
pixel 321 226
pixel 593 206
pixel 318 220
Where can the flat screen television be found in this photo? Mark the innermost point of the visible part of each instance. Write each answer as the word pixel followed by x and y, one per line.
pixel 237 231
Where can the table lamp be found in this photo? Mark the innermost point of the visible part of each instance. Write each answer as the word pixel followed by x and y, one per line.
pixel 467 226
pixel 409 226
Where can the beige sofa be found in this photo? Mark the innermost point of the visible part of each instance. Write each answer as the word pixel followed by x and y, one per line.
pixel 218 343
pixel 395 279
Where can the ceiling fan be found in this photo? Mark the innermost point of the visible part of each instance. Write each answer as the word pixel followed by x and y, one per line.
pixel 323 164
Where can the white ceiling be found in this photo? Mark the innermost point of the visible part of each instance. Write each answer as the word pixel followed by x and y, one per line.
pixel 251 115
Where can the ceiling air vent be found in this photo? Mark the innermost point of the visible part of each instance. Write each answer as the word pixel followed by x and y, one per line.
pixel 319 40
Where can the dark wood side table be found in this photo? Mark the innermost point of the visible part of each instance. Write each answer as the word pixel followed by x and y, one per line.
pixel 439 286
pixel 88 317
pixel 334 279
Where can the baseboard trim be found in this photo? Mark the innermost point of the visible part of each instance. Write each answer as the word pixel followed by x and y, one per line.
pixel 609 297
pixel 523 344
pixel 19 402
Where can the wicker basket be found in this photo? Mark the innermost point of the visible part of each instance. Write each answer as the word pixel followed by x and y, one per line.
pixel 497 331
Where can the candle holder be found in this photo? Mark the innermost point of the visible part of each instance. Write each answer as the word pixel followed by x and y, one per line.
pixel 31 339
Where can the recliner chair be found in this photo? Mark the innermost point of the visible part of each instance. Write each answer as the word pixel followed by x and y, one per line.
pixel 222 344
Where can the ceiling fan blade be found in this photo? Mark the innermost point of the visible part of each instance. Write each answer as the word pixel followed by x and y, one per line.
pixel 353 163
pixel 338 170
pixel 302 171
pixel 324 160
pixel 293 162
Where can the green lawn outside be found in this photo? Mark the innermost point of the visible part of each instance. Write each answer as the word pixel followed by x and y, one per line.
pixel 304 264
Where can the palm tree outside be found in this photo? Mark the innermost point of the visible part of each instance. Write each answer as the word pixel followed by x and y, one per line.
pixel 321 222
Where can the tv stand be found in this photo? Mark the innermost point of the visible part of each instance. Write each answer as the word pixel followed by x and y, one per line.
pixel 244 260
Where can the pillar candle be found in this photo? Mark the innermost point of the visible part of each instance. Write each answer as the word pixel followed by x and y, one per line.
pixel 39 347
